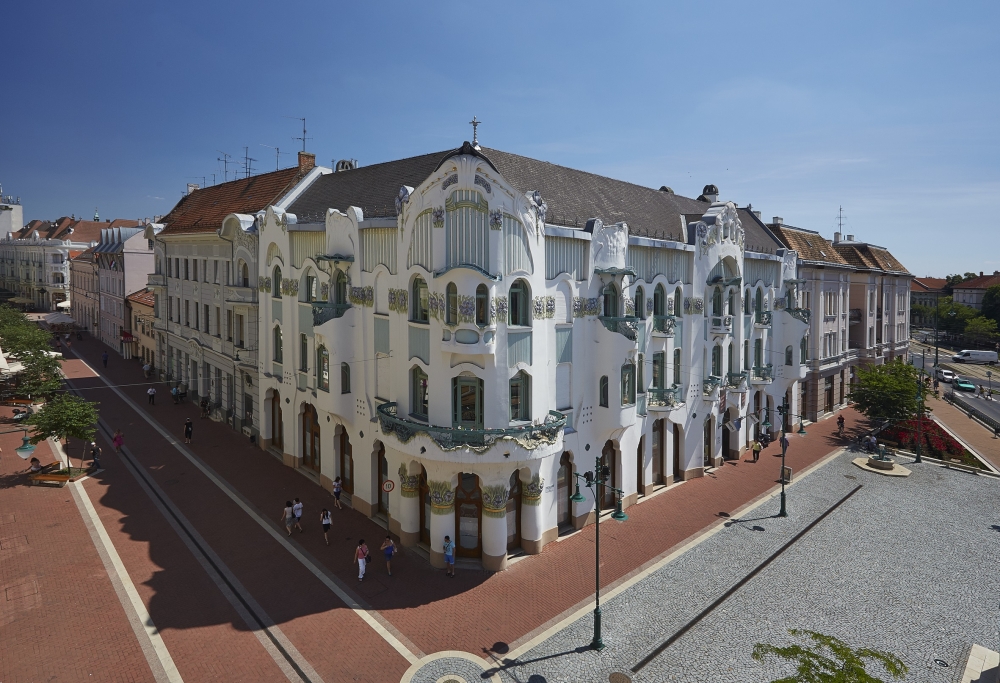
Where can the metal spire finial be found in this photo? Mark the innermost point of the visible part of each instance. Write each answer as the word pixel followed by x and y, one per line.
pixel 475 138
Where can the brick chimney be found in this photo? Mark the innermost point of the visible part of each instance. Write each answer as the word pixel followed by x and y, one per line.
pixel 307 161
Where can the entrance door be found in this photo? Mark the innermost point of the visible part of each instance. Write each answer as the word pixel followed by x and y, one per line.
pixel 467 402
pixel 725 436
pixel 346 462
pixel 514 513
pixel 608 460
pixel 640 478
pixel 678 474
pixel 277 427
pixel 468 515
pixel 425 508
pixel 310 438
pixel 383 475
pixel 658 452
pixel 829 394
pixel 707 460
pixel 564 489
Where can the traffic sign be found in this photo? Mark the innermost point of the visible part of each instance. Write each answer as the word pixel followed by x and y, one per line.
pixel 388 485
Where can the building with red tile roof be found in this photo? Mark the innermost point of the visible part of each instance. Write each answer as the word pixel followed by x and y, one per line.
pixel 970 292
pixel 140 338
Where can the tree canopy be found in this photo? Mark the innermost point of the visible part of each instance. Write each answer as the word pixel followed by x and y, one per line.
pixel 887 392
pixel 991 303
pixel 29 344
pixel 844 664
pixel 64 416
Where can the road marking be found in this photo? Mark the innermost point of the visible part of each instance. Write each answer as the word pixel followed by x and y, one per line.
pixel 153 647
pixel 370 617
pixel 587 606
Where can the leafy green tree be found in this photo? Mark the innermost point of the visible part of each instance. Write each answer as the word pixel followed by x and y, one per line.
pixel 981 329
pixel 887 392
pixel 991 303
pixel 954 323
pixel 65 416
pixel 969 276
pixel 40 377
pixel 844 664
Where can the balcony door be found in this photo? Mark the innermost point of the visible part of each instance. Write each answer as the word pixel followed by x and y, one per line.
pixel 310 438
pixel 467 402
pixel 468 515
pixel 346 462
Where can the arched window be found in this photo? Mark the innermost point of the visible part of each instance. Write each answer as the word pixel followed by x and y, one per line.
pixel 746 353
pixel 758 353
pixel 716 301
pixel 277 344
pixel 640 371
pixel 731 303
pixel 323 368
pixel 788 355
pixel 451 312
pixel 603 391
pixel 303 353
pixel 482 306
pixel 678 302
pixel 677 366
pixel 276 283
pixel 610 301
pixel 729 358
pixel 758 301
pixel 419 301
pixel 640 303
pixel 659 301
pixel 717 360
pixel 345 378
pixel 747 302
pixel 310 287
pixel 520 397
pixel 418 392
pixel 340 288
pixel 628 384
pixel 245 275
pixel 804 349
pixel 520 304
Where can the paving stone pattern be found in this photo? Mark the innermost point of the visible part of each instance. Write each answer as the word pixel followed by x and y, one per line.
pixel 905 565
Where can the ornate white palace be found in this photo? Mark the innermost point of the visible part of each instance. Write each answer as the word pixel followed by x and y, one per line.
pixel 497 323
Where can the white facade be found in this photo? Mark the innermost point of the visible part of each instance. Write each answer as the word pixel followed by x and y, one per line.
pixel 124 258
pixel 476 355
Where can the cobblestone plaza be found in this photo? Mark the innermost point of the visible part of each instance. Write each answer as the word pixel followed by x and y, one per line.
pixel 904 565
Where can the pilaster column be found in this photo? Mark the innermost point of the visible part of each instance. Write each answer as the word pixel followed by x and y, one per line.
pixel 494 525
pixel 442 495
pixel 534 535
pixel 408 517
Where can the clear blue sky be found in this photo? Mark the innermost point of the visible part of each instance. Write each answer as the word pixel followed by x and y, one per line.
pixel 889 109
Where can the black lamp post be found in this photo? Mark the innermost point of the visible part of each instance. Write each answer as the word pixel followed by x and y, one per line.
pixel 920 414
pixel 596 481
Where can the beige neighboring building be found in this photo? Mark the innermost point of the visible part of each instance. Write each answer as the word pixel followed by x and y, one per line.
pixel 85 299
pixel 139 338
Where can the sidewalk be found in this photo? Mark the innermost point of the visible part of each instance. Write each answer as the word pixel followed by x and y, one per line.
pixel 470 613
pixel 969 430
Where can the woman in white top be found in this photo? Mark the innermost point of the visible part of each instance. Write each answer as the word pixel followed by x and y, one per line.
pixel 325 519
pixel 289 516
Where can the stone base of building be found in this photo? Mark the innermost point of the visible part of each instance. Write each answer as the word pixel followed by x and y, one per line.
pixel 395 529
pixel 693 473
pixel 583 520
pixel 409 538
pixel 362 506
pixel 494 563
pixel 437 559
pixel 326 482
pixel 263 443
pixel 535 547
pixel 289 460
pixel 629 500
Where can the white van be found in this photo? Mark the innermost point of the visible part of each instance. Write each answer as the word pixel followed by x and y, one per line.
pixel 989 357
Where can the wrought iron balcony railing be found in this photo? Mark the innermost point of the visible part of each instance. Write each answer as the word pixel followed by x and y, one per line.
pixel 736 380
pixel 711 384
pixel 663 398
pixel 450 438
pixel 627 327
pixel 324 311
pixel 803 314
pixel 722 324
pixel 664 324
pixel 762 318
pixel 763 373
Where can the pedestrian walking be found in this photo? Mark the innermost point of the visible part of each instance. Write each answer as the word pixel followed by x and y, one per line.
pixel 361 558
pixel 188 430
pixel 756 448
pixel 325 519
pixel 104 358
pixel 337 488
pixel 449 557
pixel 388 549
pixel 783 442
pixel 840 425
pixel 95 455
pixel 297 511
pixel 151 393
pixel 118 441
pixel 289 516
pixel 175 393
pixel 146 369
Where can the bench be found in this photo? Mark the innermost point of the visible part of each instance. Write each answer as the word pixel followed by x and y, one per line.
pixel 49 479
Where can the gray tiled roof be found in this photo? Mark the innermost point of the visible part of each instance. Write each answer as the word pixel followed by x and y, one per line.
pixel 573 196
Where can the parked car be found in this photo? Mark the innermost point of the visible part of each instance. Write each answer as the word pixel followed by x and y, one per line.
pixel 944 375
pixel 989 357
pixel 963 384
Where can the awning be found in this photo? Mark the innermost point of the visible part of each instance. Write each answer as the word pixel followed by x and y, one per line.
pixel 20 300
pixel 63 304
pixel 59 319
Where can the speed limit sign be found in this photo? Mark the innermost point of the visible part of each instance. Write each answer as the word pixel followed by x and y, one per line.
pixel 388 485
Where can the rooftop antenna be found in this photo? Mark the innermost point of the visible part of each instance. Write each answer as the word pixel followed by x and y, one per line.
pixel 96 217
pixel 213 179
pixel 225 164
pixel 247 159
pixel 303 138
pixel 277 154
pixel 195 177
pixel 840 219
pixel 475 138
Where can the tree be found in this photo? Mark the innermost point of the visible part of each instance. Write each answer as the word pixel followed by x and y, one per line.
pixel 981 329
pixel 991 303
pixel 845 665
pixel 65 416
pixel 40 376
pixel 887 392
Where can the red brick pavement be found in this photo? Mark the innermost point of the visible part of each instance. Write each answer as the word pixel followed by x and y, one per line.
pixel 334 640
pixel 469 613
pixel 60 618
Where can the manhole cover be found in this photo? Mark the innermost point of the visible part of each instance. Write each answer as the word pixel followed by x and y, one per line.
pixel 941 662
pixel 619 678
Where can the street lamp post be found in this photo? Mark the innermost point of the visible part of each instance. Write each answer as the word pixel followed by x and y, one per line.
pixel 783 410
pixel 920 413
pixel 989 383
pixel 596 481
pixel 937 308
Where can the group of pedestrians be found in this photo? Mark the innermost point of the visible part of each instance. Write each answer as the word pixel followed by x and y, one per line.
pixel 292 517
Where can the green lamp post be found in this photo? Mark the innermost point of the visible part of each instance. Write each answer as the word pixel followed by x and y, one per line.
pixel 596 481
